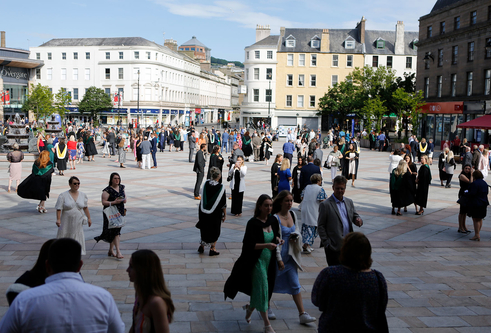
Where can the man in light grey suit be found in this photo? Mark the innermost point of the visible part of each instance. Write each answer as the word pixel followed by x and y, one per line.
pixel 318 152
pixel 337 215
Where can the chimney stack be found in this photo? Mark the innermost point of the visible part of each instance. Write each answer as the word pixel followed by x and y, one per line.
pixel 325 43
pixel 171 44
pixel 262 31
pixel 399 44
pixel 361 30
pixel 2 43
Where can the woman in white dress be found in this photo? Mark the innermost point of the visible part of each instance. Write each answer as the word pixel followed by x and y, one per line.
pixel 484 163
pixel 72 212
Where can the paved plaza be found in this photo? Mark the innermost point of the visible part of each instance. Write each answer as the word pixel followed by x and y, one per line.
pixel 438 280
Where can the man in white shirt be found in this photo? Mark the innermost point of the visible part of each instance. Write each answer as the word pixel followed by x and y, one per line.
pixel 290 136
pixel 65 303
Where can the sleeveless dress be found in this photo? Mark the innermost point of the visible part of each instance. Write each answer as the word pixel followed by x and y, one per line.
pixel 107 234
pixel 284 184
pixel 260 293
pixel 287 280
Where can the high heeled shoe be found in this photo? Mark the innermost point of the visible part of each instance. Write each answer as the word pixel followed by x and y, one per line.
pixel 249 312
pixel 201 249
pixel 213 253
pixel 421 212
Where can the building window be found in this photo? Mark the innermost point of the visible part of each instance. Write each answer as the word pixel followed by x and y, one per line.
pixel 335 60
pixel 75 55
pixel 137 55
pixel 149 55
pixel 256 73
pixel 289 60
pixel 380 44
pixel 87 74
pixel 429 31
pixel 349 60
pixel 440 57
pixel 409 62
pixel 315 43
pixel 375 61
pixel 120 73
pixel 301 60
pixel 247 55
pixel 75 93
pixel 257 55
pixel 312 101
pixel 49 55
pixel 473 17
pixel 313 80
pixel 470 51
pixel 269 73
pixel 456 23
pixel 290 41
pixel 487 50
pixel 334 80
pixel 256 95
pixel 469 83
pixel 108 73
pixel 75 74
pixel 38 56
pixel 313 60
pixel 108 55
pixel 439 82
pixel 289 100
pixel 442 28
pixel 301 80
pixel 269 54
pixel 427 87
pixel 349 44
pixel 87 55
pixel 107 91
pixel 63 73
pixel 120 55
pixel 63 55
pixel 455 54
pixel 121 92
pixel 38 74
pixel 389 61
pixel 289 80
pixel 427 64
pixel 269 95
pixel 487 82
pixel 453 84
pixel 300 101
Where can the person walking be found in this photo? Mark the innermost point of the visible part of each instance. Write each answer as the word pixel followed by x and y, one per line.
pixel 441 165
pixel 288 149
pixel 216 160
pixel 423 180
pixel 284 176
pixel 465 178
pixel 146 148
pixel 312 196
pixel 192 145
pixel 153 150
pixel 256 144
pixel 477 198
pixel 199 168
pixel 274 174
pixel 350 165
pixel 121 151
pixel 449 168
pixel 112 195
pixel 297 170
pixel 61 156
pixel 237 173
pixel 15 159
pixel 333 161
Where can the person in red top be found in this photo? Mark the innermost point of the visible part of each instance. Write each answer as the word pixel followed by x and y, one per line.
pixel 456 145
pixel 72 152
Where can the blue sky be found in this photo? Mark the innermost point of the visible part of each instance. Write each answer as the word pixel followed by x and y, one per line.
pixel 224 26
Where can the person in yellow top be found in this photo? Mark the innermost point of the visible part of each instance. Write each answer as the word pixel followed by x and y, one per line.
pixel 61 156
pixel 423 148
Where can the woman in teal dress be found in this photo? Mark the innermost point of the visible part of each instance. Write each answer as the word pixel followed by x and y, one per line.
pixel 255 271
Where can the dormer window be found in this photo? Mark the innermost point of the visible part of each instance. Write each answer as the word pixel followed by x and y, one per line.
pixel 349 43
pixel 290 41
pixel 380 43
pixel 315 42
pixel 414 44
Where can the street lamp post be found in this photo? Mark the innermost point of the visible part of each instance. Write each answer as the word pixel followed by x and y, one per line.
pixel 138 102
pixel 269 78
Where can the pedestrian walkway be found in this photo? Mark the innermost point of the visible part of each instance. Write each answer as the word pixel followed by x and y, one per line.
pixel 438 280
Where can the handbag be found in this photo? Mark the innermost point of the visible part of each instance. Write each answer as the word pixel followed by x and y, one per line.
pixel 270 149
pixel 114 217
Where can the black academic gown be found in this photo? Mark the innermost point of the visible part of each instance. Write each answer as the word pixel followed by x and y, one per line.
pixel 215 161
pixel 424 180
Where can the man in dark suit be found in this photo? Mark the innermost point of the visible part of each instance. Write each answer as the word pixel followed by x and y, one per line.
pixel 476 156
pixel 199 168
pixel 192 144
pixel 111 139
pixel 307 171
pixel 153 150
pixel 337 215
pixel 467 160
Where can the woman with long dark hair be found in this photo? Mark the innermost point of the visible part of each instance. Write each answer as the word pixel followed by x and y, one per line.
pixel 254 272
pixel 274 174
pixel 112 195
pixel 153 310
pixel 423 181
pixel 297 170
pixel 216 160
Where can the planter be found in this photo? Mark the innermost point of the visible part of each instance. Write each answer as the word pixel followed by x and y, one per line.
pixel 365 143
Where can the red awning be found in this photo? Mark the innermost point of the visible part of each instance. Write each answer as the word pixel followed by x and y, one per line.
pixel 483 122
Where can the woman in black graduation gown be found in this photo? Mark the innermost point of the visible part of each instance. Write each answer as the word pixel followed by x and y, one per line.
pixel 350 158
pixel 441 165
pixel 212 211
pixel 413 169
pixel 274 174
pixel 216 160
pixel 90 149
pixel 423 181
pixel 61 156
pixel 400 187
pixel 247 145
pixel 297 195
pixel 256 267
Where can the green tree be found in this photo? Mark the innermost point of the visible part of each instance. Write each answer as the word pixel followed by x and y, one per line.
pixel 408 105
pixel 39 101
pixel 374 109
pixel 340 100
pixel 62 99
pixel 95 100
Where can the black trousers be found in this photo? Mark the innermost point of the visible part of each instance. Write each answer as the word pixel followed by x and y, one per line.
pixel 290 157
pixel 111 148
pixel 237 199
pixel 199 180
pixel 332 257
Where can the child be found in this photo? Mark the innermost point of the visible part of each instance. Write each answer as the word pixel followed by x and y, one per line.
pixel 80 150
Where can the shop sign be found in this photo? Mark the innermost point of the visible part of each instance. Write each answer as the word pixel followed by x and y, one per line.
pixel 11 74
pixel 181 111
pixel 197 111
pixel 443 107
pixel 174 112
pixel 165 111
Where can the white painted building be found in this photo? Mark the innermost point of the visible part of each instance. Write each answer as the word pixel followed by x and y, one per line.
pixel 157 83
pixel 260 78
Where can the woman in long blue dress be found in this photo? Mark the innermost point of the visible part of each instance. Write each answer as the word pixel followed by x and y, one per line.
pixel 288 254
pixel 284 175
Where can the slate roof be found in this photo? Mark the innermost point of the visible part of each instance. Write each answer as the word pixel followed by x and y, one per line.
pixel 337 38
pixel 271 40
pixel 443 3
pixel 194 42
pixel 112 41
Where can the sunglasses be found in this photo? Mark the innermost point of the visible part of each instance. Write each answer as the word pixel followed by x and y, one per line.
pixel 75 183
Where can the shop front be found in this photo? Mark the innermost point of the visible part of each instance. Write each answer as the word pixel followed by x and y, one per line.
pixel 439 122
pixel 14 92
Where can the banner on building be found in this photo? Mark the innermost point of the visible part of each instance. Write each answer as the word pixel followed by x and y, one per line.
pixel 5 97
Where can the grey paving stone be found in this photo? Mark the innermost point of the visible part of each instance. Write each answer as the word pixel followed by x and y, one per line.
pixel 452 311
pixel 435 322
